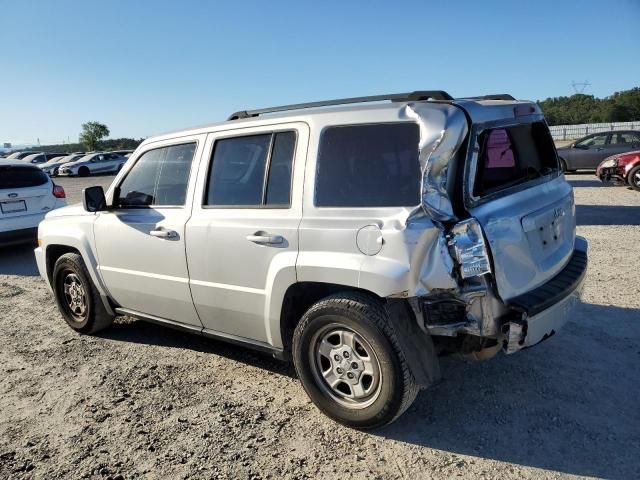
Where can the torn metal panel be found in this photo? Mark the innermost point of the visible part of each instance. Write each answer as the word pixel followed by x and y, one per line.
pixel 443 128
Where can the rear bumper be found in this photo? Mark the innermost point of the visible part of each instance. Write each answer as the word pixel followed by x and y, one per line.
pixel 547 308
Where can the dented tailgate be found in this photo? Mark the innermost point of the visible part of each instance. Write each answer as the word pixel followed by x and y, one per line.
pixel 531 235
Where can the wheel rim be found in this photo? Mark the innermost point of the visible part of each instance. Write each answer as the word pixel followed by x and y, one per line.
pixel 345 366
pixel 75 296
pixel 636 179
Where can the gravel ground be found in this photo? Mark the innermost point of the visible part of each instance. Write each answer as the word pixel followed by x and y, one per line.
pixel 143 401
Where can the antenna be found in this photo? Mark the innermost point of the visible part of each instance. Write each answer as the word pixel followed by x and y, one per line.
pixel 580 87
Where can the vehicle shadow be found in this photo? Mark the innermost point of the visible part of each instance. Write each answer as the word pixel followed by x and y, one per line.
pixel 18 260
pixel 587 183
pixel 607 215
pixel 127 329
pixel 568 405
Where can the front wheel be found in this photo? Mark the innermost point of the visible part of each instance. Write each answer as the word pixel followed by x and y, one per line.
pixel 633 178
pixel 348 359
pixel 563 166
pixel 78 300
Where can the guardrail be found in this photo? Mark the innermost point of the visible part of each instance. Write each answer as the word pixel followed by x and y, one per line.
pixel 570 132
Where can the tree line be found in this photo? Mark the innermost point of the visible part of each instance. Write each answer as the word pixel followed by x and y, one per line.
pixel 622 106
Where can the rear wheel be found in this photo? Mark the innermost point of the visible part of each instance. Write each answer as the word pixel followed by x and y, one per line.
pixel 78 300
pixel 54 172
pixel 563 165
pixel 633 178
pixel 349 361
pixel 84 172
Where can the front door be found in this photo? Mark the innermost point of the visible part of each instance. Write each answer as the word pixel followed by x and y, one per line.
pixel 141 242
pixel 242 239
pixel 591 151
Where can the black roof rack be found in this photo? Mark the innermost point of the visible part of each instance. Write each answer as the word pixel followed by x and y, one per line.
pixel 497 96
pixel 393 97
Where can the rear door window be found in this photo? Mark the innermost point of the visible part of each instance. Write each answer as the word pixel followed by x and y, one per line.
pixel 372 165
pixel 512 155
pixel 252 171
pixel 21 177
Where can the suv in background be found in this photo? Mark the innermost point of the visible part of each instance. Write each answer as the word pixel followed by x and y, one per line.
pixel 362 241
pixel 589 151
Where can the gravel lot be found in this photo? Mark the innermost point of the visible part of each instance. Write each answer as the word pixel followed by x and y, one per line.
pixel 143 401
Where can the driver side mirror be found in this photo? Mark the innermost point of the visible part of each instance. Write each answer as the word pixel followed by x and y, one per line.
pixel 93 199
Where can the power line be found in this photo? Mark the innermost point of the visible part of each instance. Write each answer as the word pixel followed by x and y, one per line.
pixel 580 87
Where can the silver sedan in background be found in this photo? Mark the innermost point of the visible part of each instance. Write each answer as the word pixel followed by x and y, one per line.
pixel 92 163
pixel 52 167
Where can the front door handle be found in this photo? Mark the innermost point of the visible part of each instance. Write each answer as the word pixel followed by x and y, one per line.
pixel 162 233
pixel 263 238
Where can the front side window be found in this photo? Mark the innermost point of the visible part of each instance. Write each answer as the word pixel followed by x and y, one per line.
pixel 158 178
pixel 252 171
pixel 596 140
pixel 369 166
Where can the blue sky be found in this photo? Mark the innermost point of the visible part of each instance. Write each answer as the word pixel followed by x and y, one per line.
pixel 144 67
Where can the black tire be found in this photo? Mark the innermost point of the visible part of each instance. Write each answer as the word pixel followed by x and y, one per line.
pixel 70 271
pixel 367 318
pixel 633 178
pixel 84 172
pixel 54 173
pixel 563 165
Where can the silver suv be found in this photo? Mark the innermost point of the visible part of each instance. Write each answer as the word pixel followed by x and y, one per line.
pixel 362 241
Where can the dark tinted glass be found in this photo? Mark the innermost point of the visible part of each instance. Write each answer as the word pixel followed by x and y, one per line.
pixel 237 173
pixel 279 183
pixel 159 178
pixel 21 177
pixel 369 166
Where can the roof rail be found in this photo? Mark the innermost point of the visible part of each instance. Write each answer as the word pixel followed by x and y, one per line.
pixel 497 96
pixel 393 97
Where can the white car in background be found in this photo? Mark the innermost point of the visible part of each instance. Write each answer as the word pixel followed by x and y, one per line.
pixel 52 166
pixel 27 194
pixel 97 162
pixel 42 157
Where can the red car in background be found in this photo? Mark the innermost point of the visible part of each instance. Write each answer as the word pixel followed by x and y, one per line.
pixel 623 168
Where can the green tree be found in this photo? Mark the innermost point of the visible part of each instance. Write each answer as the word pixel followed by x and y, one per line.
pixel 92 133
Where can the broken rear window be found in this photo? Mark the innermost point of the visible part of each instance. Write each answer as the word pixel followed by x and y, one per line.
pixel 512 155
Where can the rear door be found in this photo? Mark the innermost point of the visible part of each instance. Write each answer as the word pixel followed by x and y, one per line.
pixel 24 191
pixel 526 208
pixel 242 238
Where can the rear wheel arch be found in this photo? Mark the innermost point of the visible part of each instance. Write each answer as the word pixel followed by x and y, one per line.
pixel 300 296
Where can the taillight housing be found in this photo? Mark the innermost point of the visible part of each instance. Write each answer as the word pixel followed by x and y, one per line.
pixel 58 191
pixel 467 243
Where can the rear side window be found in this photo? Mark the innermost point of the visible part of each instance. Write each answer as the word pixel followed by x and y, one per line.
pixel 252 171
pixel 21 177
pixel 513 155
pixel 368 166
pixel 159 178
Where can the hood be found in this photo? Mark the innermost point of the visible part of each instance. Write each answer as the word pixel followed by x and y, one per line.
pixel 71 210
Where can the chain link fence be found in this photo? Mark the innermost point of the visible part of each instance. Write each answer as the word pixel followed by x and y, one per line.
pixel 571 132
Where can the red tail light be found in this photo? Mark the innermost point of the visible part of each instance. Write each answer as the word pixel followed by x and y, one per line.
pixel 58 191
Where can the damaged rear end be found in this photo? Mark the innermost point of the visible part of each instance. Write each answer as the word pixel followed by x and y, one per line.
pixel 505 216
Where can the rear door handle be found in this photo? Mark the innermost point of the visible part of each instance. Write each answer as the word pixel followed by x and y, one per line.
pixel 162 233
pixel 263 238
